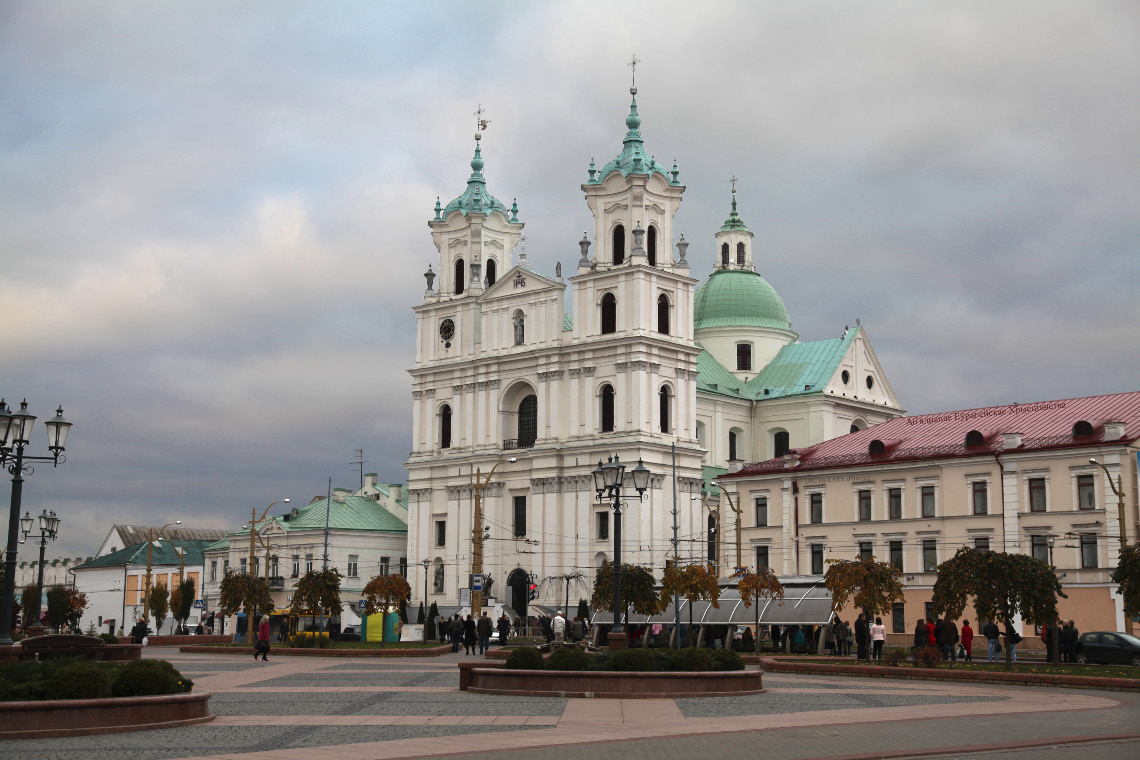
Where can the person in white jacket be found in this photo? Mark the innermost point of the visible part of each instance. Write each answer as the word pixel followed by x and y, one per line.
pixel 558 626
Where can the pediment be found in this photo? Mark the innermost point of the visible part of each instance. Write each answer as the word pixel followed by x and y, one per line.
pixel 519 281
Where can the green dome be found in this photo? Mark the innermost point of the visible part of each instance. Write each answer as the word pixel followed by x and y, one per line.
pixel 739 298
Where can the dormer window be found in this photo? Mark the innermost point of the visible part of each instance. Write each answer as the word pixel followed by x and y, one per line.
pixel 876 447
pixel 975 439
pixel 1082 429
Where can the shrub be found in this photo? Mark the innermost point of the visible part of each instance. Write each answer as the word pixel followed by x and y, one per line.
pixel 4 690
pixel 726 659
pixel 633 661
pixel 79 680
pixel 895 657
pixel 142 678
pixel 928 657
pixel 109 638
pixel 603 660
pixel 690 660
pixel 568 658
pixel 525 658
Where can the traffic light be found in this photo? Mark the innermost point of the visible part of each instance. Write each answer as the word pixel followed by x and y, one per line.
pixel 533 592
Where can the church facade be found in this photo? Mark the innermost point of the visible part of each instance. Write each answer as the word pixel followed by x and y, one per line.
pixel 646 366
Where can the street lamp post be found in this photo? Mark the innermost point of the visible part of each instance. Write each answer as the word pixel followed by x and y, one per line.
pixel 477 536
pixel 253 521
pixel 15 435
pixel 735 508
pixel 49 527
pixel 608 480
pixel 427 610
pixel 1118 489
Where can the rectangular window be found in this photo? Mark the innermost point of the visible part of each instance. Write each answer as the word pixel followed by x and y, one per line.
pixel 213 569
pixel 865 551
pixel 817 508
pixel 865 505
pixel 403 567
pixel 520 516
pixel 761 511
pixel 296 570
pixel 1040 546
pixel 441 532
pixel 385 565
pixel 930 611
pixel 256 566
pixel 896 551
pixel 1086 494
pixel 225 566
pixel 982 543
pixel 308 563
pixel 242 565
pixel 898 618
pixel 1037 494
pixel 354 566
pixel 761 558
pixel 929 557
pixel 274 567
pixel 894 499
pixel 744 357
pixel 928 501
pixel 603 525
pixel 817 559
pixel 1088 551
pixel 981 497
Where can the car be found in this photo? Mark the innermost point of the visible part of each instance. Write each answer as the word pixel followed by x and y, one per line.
pixel 348 634
pixel 1108 648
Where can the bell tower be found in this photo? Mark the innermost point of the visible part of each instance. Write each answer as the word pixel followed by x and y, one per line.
pixel 733 241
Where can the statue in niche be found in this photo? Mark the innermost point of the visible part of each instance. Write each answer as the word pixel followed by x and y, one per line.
pixel 437 582
pixel 520 328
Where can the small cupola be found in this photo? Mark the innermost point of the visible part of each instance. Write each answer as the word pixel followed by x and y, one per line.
pixel 733 241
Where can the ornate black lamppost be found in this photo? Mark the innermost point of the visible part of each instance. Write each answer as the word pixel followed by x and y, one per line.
pixel 608 480
pixel 15 434
pixel 49 527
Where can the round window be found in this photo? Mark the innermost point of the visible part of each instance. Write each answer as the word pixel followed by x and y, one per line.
pixel 846 377
pixel 870 382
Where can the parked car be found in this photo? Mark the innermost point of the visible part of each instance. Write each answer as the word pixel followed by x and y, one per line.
pixel 1109 648
pixel 348 634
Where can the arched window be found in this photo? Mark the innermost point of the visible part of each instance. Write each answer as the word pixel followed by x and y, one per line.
pixel 740 254
pixel 876 447
pixel 975 438
pixel 607 408
pixel 445 427
pixel 458 276
pixel 780 443
pixel 724 256
pixel 1082 429
pixel 858 424
pixel 732 444
pixel 492 273
pixel 609 314
pixel 743 357
pixel 651 246
pixel 712 539
pixel 619 244
pixel 663 403
pixel 528 421
pixel 663 314
pixel 518 322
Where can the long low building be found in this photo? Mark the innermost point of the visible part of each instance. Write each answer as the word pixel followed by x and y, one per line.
pixel 912 491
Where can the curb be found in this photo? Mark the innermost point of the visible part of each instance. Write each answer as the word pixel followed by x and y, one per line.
pixel 313 652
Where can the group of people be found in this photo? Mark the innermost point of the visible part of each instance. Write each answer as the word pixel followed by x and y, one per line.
pixel 474 634
pixel 555 628
pixel 1067 637
pixel 944 635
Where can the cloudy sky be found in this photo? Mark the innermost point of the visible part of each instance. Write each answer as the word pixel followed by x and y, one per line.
pixel 213 216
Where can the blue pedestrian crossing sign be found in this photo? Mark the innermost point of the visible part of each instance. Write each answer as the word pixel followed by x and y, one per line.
pixel 477 582
pixel 199 604
pixel 361 604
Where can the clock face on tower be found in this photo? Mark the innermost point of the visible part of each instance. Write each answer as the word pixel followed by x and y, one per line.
pixel 447 329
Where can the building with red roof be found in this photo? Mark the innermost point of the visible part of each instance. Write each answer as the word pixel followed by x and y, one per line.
pixel 913 490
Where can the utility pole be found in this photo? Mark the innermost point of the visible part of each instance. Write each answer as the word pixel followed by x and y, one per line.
pixel 359 463
pixel 1118 489
pixel 477 536
pixel 676 557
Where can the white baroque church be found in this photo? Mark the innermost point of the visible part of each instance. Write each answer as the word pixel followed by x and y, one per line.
pixel 646 363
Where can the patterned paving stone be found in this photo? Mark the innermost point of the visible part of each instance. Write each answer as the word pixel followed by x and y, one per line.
pixel 774 704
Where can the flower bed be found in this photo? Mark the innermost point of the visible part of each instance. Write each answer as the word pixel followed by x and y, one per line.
pixel 80 717
pixel 490 679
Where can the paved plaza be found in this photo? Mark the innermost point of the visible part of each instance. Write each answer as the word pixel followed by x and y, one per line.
pixel 297 708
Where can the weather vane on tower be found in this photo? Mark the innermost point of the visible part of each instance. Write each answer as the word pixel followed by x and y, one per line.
pixel 633 72
pixel 480 122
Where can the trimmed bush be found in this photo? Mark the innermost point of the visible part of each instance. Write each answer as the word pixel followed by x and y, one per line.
pixel 4 690
pixel 928 657
pixel 109 638
pixel 568 658
pixel 633 661
pixel 726 659
pixel 79 680
pixel 895 657
pixel 525 658
pixel 144 678
pixel 690 660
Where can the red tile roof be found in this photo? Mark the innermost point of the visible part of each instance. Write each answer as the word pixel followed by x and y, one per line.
pixel 1043 425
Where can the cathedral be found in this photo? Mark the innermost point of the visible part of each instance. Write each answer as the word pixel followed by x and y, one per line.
pixel 512 388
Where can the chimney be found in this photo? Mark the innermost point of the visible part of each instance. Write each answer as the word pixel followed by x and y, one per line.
pixel 1113 431
pixel 369 480
pixel 396 490
pixel 1011 440
pixel 791 459
pixel 735 465
pixel 339 494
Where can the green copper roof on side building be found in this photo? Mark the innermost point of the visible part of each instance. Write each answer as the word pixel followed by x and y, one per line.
pixel 734 222
pixel 739 298
pixel 801 369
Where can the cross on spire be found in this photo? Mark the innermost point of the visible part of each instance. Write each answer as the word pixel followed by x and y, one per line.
pixel 633 61
pixel 733 181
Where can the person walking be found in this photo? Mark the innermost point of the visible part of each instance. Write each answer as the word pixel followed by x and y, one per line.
pixel 139 631
pixel 1069 638
pixel 263 635
pixel 967 641
pixel 862 637
pixel 504 629
pixel 558 628
pixel 878 638
pixel 470 634
pixel 948 638
pixel 991 632
pixel 484 629
pixel 1012 639
pixel 456 633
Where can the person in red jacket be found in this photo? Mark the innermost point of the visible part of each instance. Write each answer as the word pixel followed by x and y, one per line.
pixel 967 640
pixel 931 641
pixel 262 640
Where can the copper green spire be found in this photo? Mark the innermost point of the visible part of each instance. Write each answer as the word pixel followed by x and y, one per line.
pixel 733 222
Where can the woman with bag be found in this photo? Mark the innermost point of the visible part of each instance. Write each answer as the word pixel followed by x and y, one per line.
pixel 263 634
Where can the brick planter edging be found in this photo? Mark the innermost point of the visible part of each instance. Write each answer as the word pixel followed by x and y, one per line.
pixel 481 679
pixel 314 652
pixel 170 641
pixel 84 717
pixel 934 674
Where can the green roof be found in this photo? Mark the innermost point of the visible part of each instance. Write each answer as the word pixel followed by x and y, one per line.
pixel 708 474
pixel 476 199
pixel 162 554
pixel 734 222
pixel 801 368
pixel 714 378
pixel 567 322
pixel 633 159
pixel 354 513
pixel 739 298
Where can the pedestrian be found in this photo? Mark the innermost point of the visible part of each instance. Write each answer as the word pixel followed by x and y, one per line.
pixel 827 638
pixel 1012 639
pixel 862 637
pixel 747 641
pixel 878 638
pixel 919 635
pixel 993 646
pixel 967 641
pixel 931 639
pixel 577 629
pixel 1069 638
pixel 139 631
pixel 484 628
pixel 504 629
pixel 839 631
pixel 456 633
pixel 262 640
pixel 558 628
pixel 774 636
pixel 798 641
pixel 948 638
pixel 518 627
pixel 470 634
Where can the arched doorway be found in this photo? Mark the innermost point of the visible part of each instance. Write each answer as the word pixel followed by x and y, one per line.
pixel 519 584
